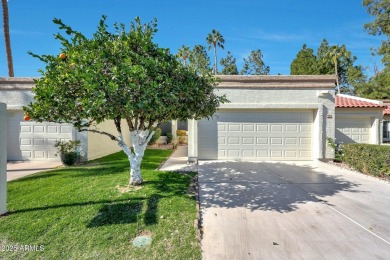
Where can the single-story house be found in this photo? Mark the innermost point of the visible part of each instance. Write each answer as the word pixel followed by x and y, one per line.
pixel 358 120
pixel 268 118
pixel 30 140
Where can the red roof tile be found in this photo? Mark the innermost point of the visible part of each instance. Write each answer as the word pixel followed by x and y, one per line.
pixel 343 101
pixel 387 111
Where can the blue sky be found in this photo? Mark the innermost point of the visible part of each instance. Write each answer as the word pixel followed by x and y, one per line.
pixel 278 28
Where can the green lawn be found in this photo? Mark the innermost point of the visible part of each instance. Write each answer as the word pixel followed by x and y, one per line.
pixel 86 212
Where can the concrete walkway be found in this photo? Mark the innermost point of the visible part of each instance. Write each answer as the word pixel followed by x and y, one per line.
pixel 279 210
pixel 178 161
pixel 19 169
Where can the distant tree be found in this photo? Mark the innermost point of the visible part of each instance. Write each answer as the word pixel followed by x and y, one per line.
pixel 183 54
pixel 120 75
pixel 380 9
pixel 356 78
pixel 229 65
pixel 334 59
pixel 330 59
pixel 255 65
pixel 335 54
pixel 378 87
pixel 199 60
pixel 215 39
pixel 305 63
pixel 7 38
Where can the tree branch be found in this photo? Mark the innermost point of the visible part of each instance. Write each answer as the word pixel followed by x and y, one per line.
pixel 130 123
pixel 117 122
pixel 113 137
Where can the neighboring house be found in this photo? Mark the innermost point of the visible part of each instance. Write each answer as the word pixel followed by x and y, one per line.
pixel 386 121
pixel 358 120
pixel 30 140
pixel 268 118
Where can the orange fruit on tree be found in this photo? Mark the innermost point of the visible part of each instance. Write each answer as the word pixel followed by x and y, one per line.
pixel 27 118
pixel 62 55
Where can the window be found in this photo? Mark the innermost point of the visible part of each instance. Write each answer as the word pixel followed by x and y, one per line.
pixel 386 129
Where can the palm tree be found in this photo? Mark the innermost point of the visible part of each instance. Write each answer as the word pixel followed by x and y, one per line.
pixel 184 53
pixel 7 38
pixel 215 39
pixel 335 54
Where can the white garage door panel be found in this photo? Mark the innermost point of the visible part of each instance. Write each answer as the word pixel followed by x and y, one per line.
pixel 29 140
pixel 353 130
pixel 257 135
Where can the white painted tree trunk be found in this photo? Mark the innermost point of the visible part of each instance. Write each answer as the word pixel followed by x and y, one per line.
pixel 139 140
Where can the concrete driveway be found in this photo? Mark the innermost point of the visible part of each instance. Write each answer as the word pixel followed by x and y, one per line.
pixel 19 169
pixel 257 210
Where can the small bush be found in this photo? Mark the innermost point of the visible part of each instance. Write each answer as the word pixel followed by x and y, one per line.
pixel 68 151
pixel 338 149
pixel 368 158
pixel 181 132
pixel 169 138
pixel 183 140
pixel 156 135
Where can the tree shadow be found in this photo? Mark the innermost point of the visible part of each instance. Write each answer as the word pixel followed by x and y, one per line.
pixel 67 205
pixel 117 213
pixel 275 186
pixel 150 216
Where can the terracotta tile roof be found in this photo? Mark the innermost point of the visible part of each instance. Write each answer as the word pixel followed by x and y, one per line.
pixel 350 101
pixel 387 111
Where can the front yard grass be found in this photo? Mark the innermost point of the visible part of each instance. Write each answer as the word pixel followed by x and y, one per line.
pixel 87 212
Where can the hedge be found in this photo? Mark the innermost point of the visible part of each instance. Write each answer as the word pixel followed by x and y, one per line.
pixel 368 158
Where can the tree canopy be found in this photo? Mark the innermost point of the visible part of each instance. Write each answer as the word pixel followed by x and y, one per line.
pixel 199 60
pixel 255 65
pixel 229 65
pixel 305 63
pixel 330 59
pixel 378 86
pixel 380 9
pixel 119 75
pixel 184 54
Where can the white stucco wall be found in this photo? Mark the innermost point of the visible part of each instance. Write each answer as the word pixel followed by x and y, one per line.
pixel 314 93
pixel 17 92
pixel 3 158
pixel 375 114
pixel 101 145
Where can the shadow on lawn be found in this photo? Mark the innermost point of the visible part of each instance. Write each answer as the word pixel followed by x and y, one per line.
pixel 127 212
pixel 133 208
pixel 118 213
pixel 130 209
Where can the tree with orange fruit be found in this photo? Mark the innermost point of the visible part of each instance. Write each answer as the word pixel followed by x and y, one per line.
pixel 120 75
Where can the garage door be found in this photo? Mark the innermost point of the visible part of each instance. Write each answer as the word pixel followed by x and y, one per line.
pixel 353 130
pixel 257 135
pixel 28 140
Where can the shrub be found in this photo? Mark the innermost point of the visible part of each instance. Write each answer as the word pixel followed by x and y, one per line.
pixel 156 135
pixel 68 151
pixel 368 158
pixel 183 140
pixel 169 138
pixel 181 132
pixel 338 149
